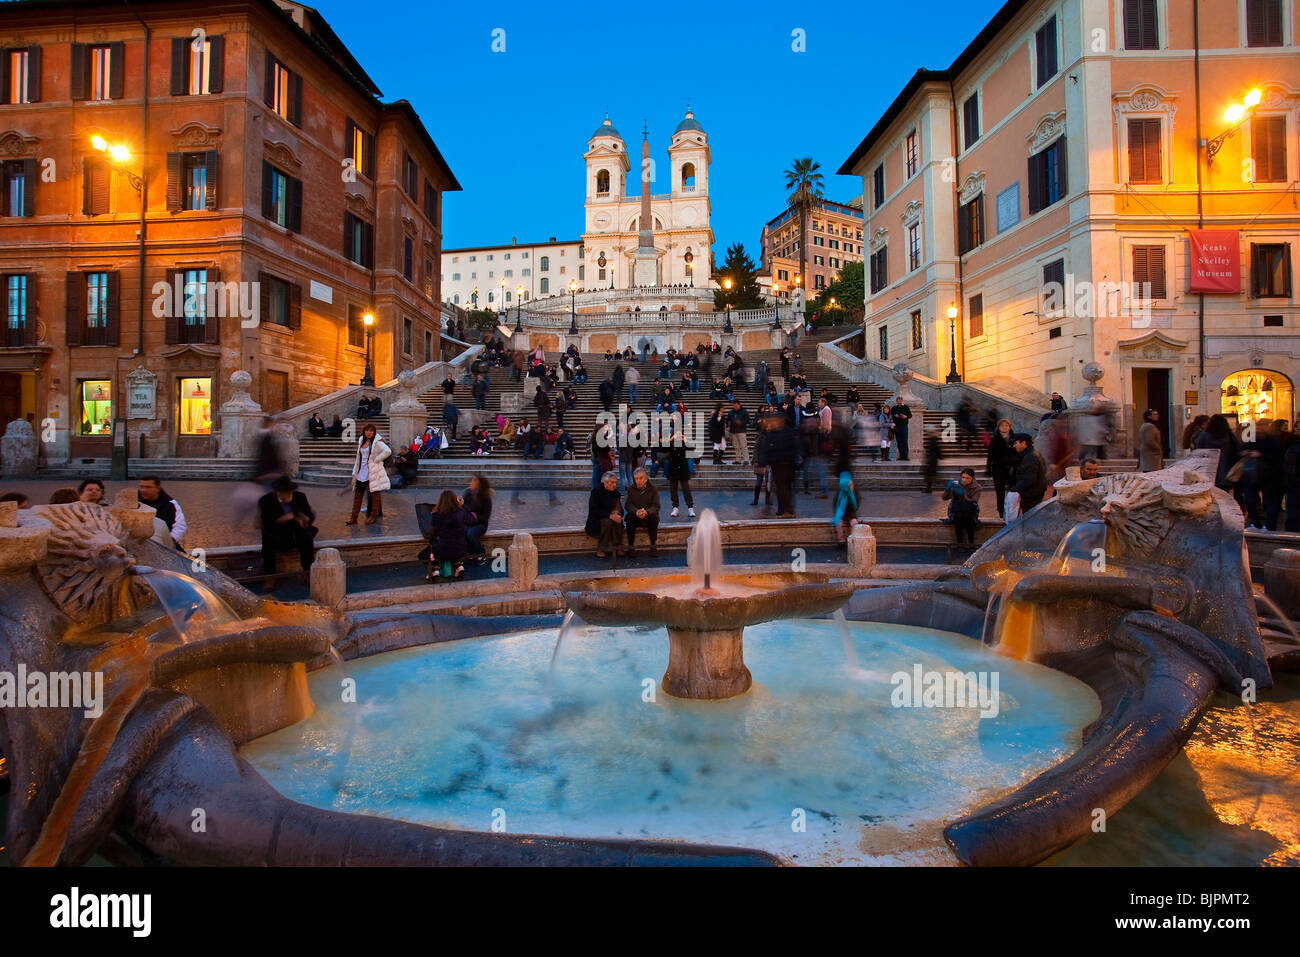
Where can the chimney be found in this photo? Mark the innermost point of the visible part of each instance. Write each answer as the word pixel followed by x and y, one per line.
pixel 514 240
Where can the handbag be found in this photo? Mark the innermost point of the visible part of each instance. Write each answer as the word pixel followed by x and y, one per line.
pixel 1011 506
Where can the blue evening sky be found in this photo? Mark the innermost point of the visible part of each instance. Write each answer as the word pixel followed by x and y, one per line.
pixel 513 126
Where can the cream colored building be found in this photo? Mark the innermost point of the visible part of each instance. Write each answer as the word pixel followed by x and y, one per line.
pixel 682 235
pixel 1061 150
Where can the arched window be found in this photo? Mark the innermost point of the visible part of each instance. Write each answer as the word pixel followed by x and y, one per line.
pixel 546 263
pixel 688 177
pixel 582 273
pixel 602 181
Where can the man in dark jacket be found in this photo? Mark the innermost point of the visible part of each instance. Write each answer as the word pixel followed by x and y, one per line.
pixel 288 524
pixel 901 413
pixel 605 515
pixel 480 391
pixel 642 511
pixel 607 394
pixel 450 415
pixel 738 426
pixel 1031 474
pixel 779 449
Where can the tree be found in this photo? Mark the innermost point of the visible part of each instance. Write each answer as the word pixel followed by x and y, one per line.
pixel 740 269
pixel 847 290
pixel 806 185
pixel 483 319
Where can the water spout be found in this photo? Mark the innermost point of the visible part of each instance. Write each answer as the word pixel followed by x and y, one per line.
pixel 194 609
pixel 704 553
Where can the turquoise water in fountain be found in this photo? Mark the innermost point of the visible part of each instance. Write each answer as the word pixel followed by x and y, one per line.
pixel 464 735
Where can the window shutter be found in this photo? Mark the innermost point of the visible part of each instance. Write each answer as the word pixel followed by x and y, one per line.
pixel 349 142
pixel 1276 126
pixel 963 229
pixel 268 85
pixel 216 63
pixel 295 205
pixel 78 71
pixel 1286 270
pixel 295 305
pixel 1058 154
pixel 29 188
pixel 175 170
pixel 979 219
pixel 1156 271
pixel 4 77
pixel 264 296
pixel 349 222
pixel 172 320
pixel 368 245
pixel 212 164
pixel 72 320
pixel 116 60
pixel 212 321
pixel 370 156
pixel 34 74
pixel 33 309
pixel 1035 183
pixel 268 207
pixel 112 330
pixel 1132 24
pixel 180 66
pixel 1254 270
pixel 295 99
pixel 1137 151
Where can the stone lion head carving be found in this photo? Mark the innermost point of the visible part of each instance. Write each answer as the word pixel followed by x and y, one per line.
pixel 1134 510
pixel 85 561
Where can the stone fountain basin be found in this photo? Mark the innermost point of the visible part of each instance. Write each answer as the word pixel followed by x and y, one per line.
pixel 673 601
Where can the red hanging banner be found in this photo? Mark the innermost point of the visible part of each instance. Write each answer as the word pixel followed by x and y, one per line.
pixel 1216 261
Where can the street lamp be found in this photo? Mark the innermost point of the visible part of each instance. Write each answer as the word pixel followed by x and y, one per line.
pixel 726 308
pixel 776 304
pixel 1234 115
pixel 119 154
pixel 474 297
pixel 503 297
pixel 953 375
pixel 519 307
pixel 368 320
pixel 573 311
pixel 690 266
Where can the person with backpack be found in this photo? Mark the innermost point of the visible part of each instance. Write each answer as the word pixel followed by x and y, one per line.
pixel 449 527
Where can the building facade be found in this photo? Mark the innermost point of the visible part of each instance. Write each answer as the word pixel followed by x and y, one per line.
pixel 489 277
pixel 192 190
pixel 1053 185
pixel 832 238
pixel 683 237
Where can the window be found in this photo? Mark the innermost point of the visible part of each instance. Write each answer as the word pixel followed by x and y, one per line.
pixel 406 336
pixel 1054 332
pixel 1263 23
pixel 430 203
pixel 192 181
pixel 835 263
pixel 884 343
pixel 91 302
pixel 1270 270
pixel 361 150
pixel 688 177
pixel 510 273
pixel 428 347
pixel 20 75
pixel 1268 148
pixel 917 339
pixel 819 260
pixel 783 275
pixel 358 241
pixel 545 286
pixel 1273 322
pixel 582 273
pixel 96 397
pixel 1047 177
pixel 19 323
pixel 914 247
pixel 19 185
pixel 1149 271
pixel 200 290
pixel 970 224
pixel 1045 51
pixel 281 301
pixel 912 155
pixel 976 313
pixel 195 416
pixel 970 119
pixel 356 327
pixel 834 244
pixel 1054 288
pixel 880 269
pixel 411 176
pixel 1140 25
pixel 819 281
pixel 545 264
pixel 1144 151
pixel 283 92
pixel 602 181
pixel 526 272
pixel 408 262
pixel 281 198
pixel 197 65
pixel 96 71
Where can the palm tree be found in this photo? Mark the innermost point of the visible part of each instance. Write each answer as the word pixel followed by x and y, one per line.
pixel 806 185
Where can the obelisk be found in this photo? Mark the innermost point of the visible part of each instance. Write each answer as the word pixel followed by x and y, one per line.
pixel 645 264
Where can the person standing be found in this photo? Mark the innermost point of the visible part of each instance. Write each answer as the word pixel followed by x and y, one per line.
pixel 901 414
pixel 450 416
pixel 738 425
pixel 1218 435
pixel 448 386
pixel 480 391
pixel 1031 473
pixel 606 390
pixel 780 448
pixel 642 511
pixel 718 433
pixel 151 493
pixel 560 406
pixel 288 524
pixel 542 403
pixel 785 365
pixel 1150 445
pixel 1001 462
pixel 270 465
pixel 368 475
pixel 632 379
pixel 678 471
pixel 316 426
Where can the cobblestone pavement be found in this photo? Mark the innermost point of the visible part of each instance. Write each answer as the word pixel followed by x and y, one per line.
pixel 222 513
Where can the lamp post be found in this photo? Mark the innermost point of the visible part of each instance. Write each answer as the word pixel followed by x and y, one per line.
pixel 1235 115
pixel 690 267
pixel 519 308
pixel 474 298
pixel 953 374
pixel 776 307
pixel 368 320
pixel 573 309
pixel 726 308
pixel 503 300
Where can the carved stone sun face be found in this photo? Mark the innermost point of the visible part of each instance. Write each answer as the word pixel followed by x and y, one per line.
pixel 1133 508
pixel 85 561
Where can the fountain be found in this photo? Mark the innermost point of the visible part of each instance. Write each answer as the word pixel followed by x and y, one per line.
pixel 706 612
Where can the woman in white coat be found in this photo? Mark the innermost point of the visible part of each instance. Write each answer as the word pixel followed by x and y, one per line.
pixel 368 474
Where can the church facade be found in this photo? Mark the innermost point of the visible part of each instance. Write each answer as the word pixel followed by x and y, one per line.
pixel 614 234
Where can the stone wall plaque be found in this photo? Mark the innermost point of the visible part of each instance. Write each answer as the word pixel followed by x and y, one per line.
pixel 141 394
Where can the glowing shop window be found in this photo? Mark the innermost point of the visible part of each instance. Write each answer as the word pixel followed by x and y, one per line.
pixel 196 407
pixel 96 407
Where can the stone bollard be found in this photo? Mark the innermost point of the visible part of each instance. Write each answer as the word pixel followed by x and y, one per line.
pixel 21 546
pixel 1282 581
pixel 521 561
pixel 862 549
pixel 18 449
pixel 329 578
pixel 134 515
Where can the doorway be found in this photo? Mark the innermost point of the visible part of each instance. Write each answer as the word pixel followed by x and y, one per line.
pixel 1151 391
